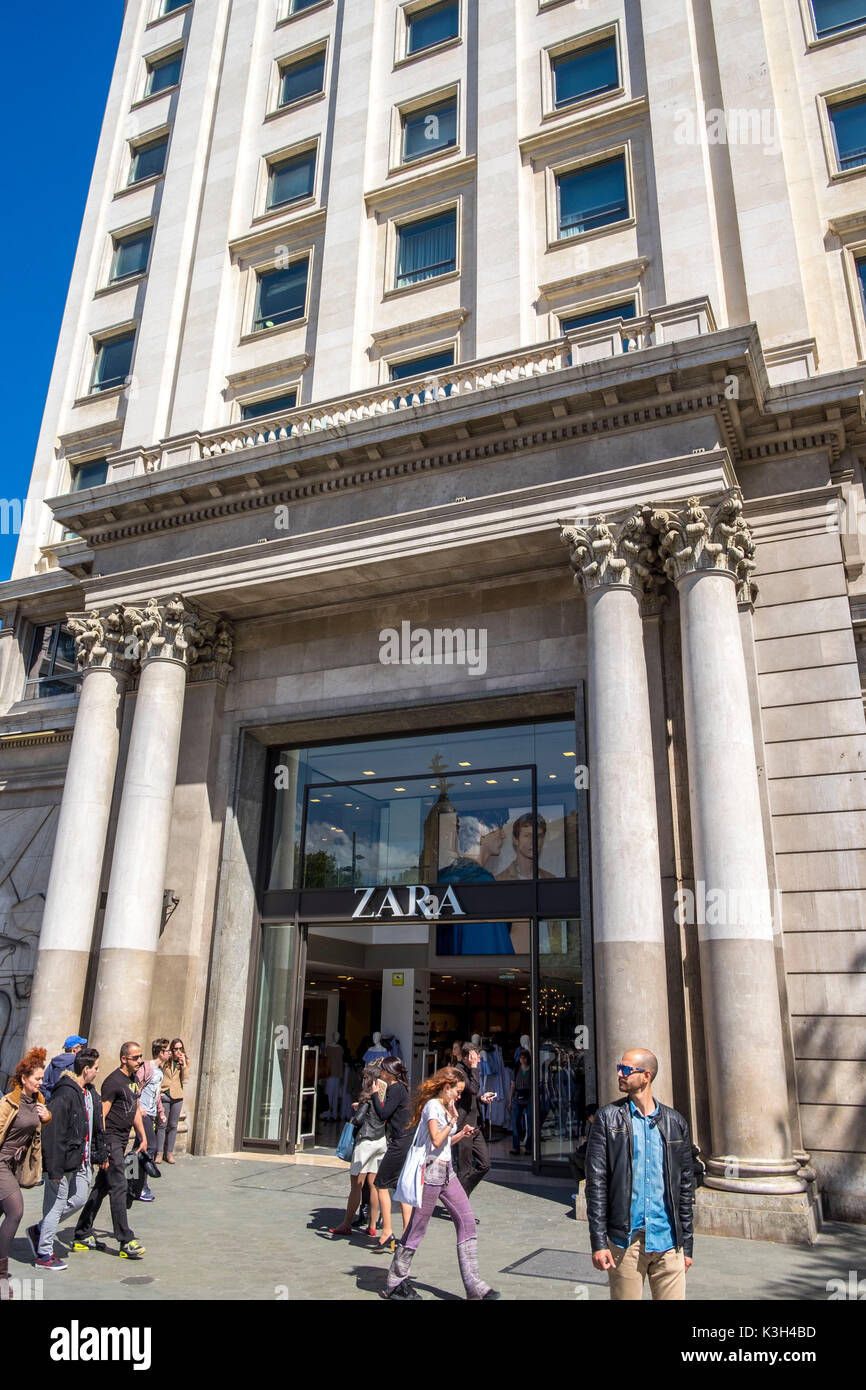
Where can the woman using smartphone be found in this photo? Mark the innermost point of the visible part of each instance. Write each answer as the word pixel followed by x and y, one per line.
pixel 175 1075
pixel 434 1110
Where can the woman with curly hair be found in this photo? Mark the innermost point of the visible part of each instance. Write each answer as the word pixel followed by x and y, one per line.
pixel 434 1110
pixel 22 1115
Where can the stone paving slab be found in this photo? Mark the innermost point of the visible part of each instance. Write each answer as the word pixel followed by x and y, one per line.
pixel 225 1228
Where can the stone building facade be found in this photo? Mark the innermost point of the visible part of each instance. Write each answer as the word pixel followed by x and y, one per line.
pixel 582 373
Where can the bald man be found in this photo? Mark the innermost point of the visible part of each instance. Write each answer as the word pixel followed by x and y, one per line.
pixel 640 1187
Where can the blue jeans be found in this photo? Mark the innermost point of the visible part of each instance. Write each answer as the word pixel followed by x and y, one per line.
pixel 521 1110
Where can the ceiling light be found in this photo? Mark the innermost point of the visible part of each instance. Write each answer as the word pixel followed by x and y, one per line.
pixel 552 776
pixel 491 781
pixel 399 789
pixel 569 755
pixel 369 774
pixel 315 798
pixel 464 764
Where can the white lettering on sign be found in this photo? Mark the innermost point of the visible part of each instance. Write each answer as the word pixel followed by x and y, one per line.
pixel 419 901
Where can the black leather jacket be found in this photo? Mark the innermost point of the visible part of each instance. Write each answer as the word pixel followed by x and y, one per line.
pixel 367 1123
pixel 63 1141
pixel 609 1175
pixel 467 1102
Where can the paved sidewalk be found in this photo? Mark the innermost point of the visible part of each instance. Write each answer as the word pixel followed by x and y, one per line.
pixel 226 1228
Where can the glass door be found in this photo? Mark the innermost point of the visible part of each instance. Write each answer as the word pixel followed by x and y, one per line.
pixel 560 1040
pixel 271 1108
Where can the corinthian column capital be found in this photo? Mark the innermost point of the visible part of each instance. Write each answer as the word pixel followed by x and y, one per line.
pixel 173 629
pixel 104 639
pixel 621 554
pixel 694 538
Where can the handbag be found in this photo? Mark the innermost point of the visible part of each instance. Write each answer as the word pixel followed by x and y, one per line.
pixel 410 1184
pixel 347 1142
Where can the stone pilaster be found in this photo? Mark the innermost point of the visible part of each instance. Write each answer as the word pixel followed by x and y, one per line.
pixel 709 554
pixel 103 642
pixel 170 636
pixel 615 567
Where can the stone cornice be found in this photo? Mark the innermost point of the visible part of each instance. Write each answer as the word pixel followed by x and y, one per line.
pixel 566 138
pixel 290 231
pixel 444 178
pixel 527 516
pixel 37 739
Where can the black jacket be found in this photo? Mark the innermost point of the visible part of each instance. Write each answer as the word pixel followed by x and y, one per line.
pixel 609 1175
pixel 59 1064
pixel 467 1101
pixel 367 1123
pixel 64 1139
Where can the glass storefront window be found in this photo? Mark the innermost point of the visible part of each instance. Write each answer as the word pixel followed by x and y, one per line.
pixel 441 807
pixel 561 1080
pixel 267 1095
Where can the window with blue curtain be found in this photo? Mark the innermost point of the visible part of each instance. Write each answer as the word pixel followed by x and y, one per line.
pixel 131 254
pixel 92 474
pixel 163 73
pixel 613 311
pixel 113 360
pixel 433 25
pixel 834 16
pixel 586 72
pixel 148 159
pixel 302 79
pixel 254 410
pixel 426 249
pixel 281 295
pixel 848 119
pixel 430 129
pixel 592 197
pixel 291 179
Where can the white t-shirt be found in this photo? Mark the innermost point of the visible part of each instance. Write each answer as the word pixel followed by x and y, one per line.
pixel 435 1110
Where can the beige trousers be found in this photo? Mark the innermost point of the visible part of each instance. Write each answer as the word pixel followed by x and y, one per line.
pixel 666 1271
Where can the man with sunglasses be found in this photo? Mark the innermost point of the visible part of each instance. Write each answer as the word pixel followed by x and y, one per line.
pixel 121 1112
pixel 640 1188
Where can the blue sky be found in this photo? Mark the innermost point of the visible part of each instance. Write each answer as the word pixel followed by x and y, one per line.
pixel 52 116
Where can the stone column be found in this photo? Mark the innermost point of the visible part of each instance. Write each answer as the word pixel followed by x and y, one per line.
pixel 65 939
pixel 613 566
pixel 708 554
pixel 171 635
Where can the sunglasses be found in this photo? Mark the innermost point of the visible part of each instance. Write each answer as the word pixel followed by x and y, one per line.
pixel 627 1071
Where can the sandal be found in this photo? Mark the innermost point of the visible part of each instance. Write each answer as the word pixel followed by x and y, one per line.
pixel 340 1230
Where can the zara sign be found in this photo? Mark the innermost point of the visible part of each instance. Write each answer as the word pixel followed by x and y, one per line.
pixel 418 900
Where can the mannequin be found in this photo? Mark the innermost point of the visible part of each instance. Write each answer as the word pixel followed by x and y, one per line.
pixel 523 1046
pixel 334 1083
pixel 377 1050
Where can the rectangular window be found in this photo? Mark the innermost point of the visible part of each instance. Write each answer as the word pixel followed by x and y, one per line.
pixel 148 159
pixel 253 410
pixel 52 669
pixel 429 129
pixel 426 249
pixel 585 72
pixel 291 179
pixel 163 73
pixel 113 360
pixel 848 119
pixel 422 366
pixel 860 264
pixel 169 5
pixel 131 254
pixel 614 311
pixel 302 79
pixel 592 197
pixel 433 25
pixel 834 16
pixel 92 474
pixel 296 6
pixel 281 295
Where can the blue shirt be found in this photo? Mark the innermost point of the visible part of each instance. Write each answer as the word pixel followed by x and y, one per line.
pixel 649 1211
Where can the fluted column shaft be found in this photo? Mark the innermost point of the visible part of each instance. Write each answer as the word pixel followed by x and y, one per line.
pixel 630 975
pixel 708 556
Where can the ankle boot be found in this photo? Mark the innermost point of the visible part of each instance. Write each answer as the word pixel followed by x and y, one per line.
pixel 5 1286
pixel 467 1256
pixel 398 1272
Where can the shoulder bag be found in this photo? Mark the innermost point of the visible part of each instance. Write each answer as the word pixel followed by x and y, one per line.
pixel 410 1184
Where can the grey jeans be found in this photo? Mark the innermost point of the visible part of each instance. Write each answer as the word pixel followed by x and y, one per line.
pixel 61 1199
